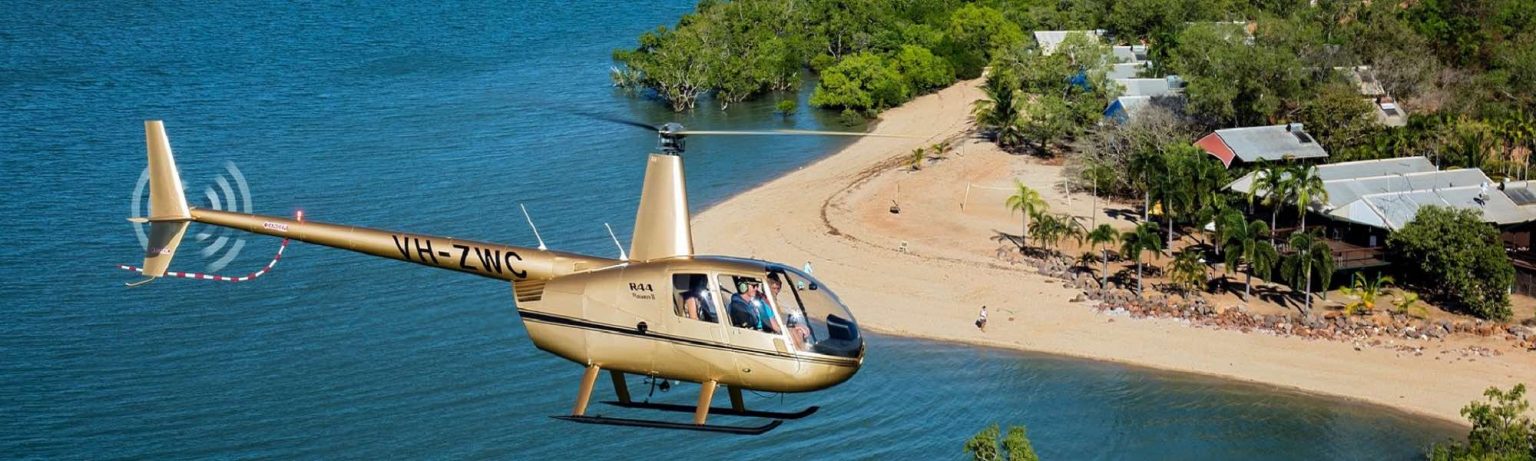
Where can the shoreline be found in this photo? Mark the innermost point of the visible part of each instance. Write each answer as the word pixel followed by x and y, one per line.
pixel 924 272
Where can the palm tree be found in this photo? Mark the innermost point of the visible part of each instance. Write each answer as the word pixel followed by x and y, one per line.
pixel 1000 110
pixel 1173 189
pixel 1224 218
pixel 1407 303
pixel 1262 262
pixel 1243 244
pixel 1306 187
pixel 1101 237
pixel 1028 202
pixel 1311 255
pixel 1273 182
pixel 916 158
pixel 1365 293
pixel 1143 239
pixel 1072 228
pixel 1187 272
pixel 1045 229
pixel 1144 165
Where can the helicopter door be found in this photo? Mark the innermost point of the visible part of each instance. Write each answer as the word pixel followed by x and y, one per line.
pixel 753 324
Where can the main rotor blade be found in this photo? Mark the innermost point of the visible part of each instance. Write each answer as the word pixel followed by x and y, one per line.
pixel 612 119
pixel 793 133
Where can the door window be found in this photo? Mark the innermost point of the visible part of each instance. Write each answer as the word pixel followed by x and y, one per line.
pixel 691 298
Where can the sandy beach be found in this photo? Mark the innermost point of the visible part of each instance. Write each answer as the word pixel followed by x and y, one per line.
pixel 925 272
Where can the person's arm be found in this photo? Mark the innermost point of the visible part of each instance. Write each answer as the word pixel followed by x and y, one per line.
pixel 691 307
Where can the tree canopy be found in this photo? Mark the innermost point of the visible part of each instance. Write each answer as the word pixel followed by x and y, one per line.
pixel 1459 258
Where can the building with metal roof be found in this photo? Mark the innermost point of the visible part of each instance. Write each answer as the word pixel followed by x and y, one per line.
pixel 1387 194
pixel 1129 53
pixel 1050 39
pixel 1125 70
pixel 1261 143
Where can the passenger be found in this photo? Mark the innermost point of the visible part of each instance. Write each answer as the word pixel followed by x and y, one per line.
pixel 696 301
pixel 795 319
pixel 770 322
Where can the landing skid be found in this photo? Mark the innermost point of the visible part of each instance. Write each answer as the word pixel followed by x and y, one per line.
pixel 716 410
pixel 740 430
pixel 700 412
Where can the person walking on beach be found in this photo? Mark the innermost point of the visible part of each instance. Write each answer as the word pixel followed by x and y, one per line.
pixel 981 319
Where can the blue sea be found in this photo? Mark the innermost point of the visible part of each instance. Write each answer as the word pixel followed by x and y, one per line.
pixel 441 118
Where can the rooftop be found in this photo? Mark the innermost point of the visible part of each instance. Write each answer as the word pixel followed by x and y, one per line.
pixel 1148 86
pixel 1129 53
pixel 1262 143
pixel 1388 193
pixel 1126 70
pixel 1050 39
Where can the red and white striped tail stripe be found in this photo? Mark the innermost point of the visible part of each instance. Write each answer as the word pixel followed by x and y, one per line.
pixel 216 277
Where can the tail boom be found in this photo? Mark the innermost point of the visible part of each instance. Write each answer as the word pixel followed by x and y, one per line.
pixel 502 262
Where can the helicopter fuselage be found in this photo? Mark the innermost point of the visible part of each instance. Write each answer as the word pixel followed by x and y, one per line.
pixel 628 318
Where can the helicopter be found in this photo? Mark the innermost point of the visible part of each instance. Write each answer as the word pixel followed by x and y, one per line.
pixel 660 311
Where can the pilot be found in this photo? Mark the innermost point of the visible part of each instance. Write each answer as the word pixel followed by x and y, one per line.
pixel 795 319
pixel 747 306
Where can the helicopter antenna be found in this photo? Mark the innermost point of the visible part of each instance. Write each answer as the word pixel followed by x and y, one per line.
pixel 535 228
pixel 622 256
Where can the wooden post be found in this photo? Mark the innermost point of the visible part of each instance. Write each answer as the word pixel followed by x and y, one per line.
pixel 620 387
pixel 736 402
pixel 706 396
pixel 585 392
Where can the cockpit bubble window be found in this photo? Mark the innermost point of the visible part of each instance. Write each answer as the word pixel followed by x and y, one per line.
pixel 691 298
pixel 747 305
pixel 830 327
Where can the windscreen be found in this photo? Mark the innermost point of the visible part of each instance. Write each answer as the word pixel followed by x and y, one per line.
pixel 823 324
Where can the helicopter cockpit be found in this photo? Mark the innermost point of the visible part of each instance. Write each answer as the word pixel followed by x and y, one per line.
pixel 811 315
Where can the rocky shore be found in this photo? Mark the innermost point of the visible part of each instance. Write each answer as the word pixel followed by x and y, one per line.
pixel 1378 329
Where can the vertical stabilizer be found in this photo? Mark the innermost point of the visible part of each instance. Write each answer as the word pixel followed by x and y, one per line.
pixel 167 200
pixel 168 213
pixel 661 222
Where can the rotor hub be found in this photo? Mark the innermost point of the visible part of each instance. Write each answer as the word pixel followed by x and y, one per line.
pixel 671 138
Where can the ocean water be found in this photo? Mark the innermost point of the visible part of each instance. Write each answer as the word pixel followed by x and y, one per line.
pixel 441 118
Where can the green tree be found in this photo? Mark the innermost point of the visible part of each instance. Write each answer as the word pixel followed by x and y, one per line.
pixel 1101 238
pixel 1187 272
pixel 787 107
pixel 1243 242
pixel 1339 117
pixel 1045 228
pixel 1027 202
pixel 1139 241
pixel 861 81
pixel 1273 184
pixel 974 33
pixel 1500 429
pixel 921 70
pixel 1232 80
pixel 1458 258
pixel 670 62
pixel 1000 111
pixel 1310 258
pixel 1307 187
pixel 1015 446
pixel 1046 119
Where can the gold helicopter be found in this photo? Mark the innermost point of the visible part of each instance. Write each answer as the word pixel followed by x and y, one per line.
pixel 660 311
